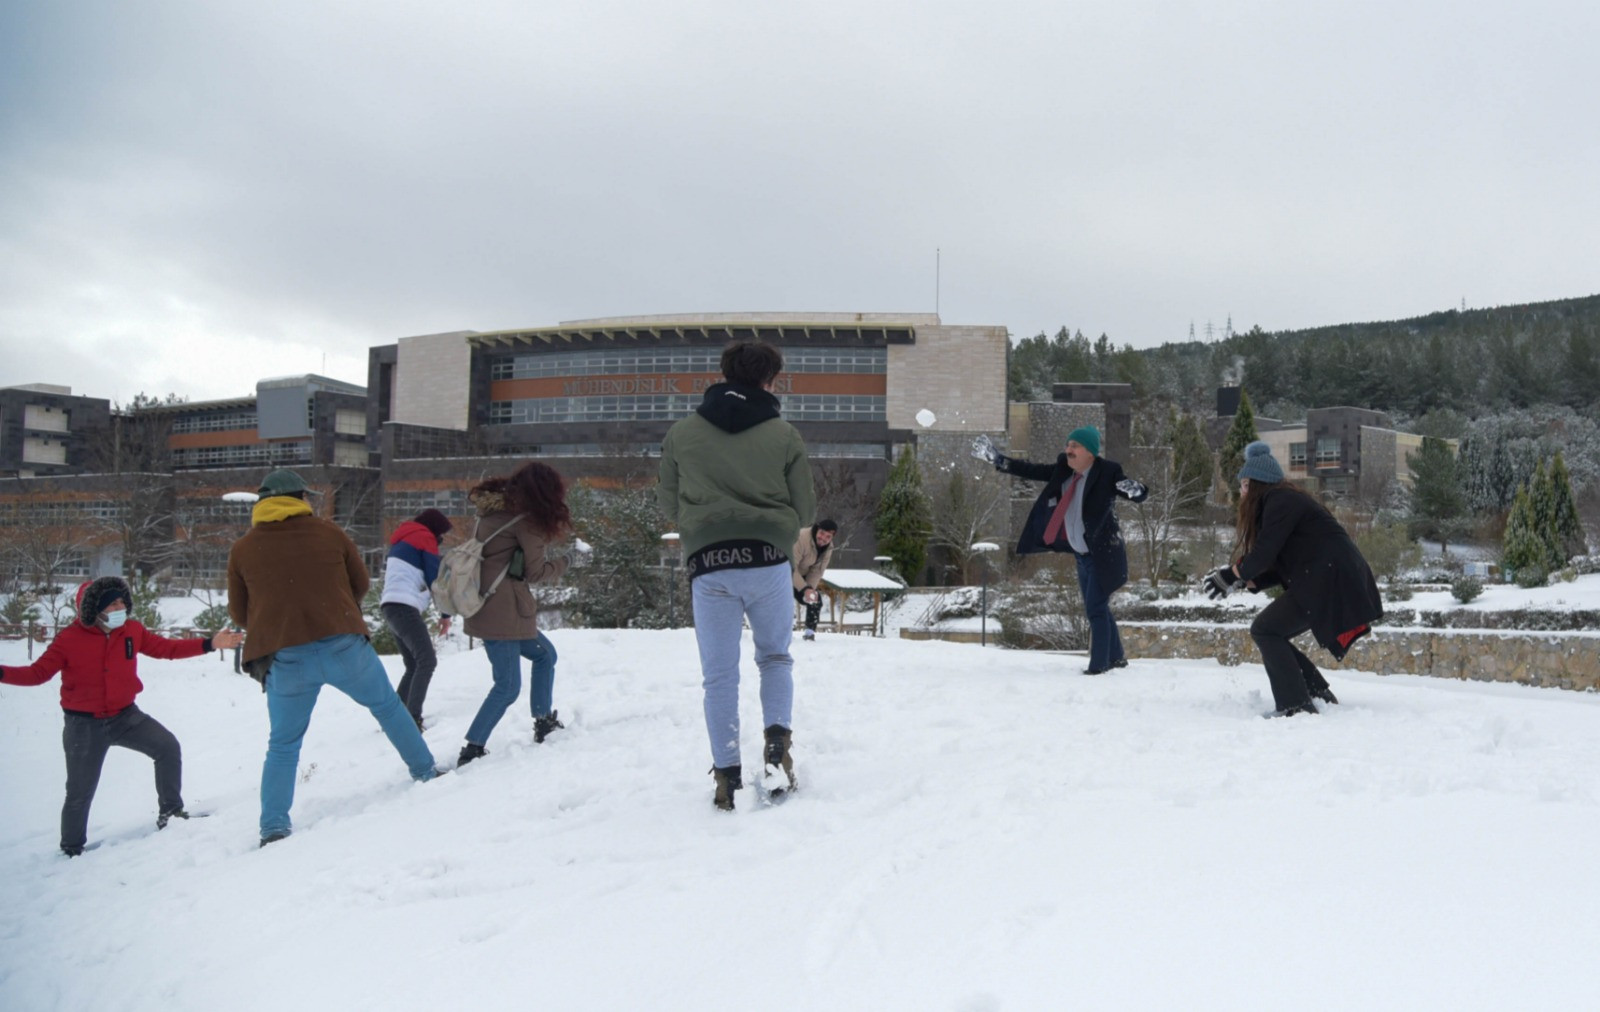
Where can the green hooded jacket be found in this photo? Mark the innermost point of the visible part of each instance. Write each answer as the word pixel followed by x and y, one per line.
pixel 735 470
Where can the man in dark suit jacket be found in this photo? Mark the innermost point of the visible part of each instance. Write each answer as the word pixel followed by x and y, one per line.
pixel 1074 514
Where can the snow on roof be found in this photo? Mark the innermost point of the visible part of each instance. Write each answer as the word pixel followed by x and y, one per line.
pixel 858 579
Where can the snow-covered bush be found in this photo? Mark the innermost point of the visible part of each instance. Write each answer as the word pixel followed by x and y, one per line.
pixel 1466 588
pixel 213 618
pixel 1045 614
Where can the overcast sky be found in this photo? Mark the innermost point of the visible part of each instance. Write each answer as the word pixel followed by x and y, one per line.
pixel 198 193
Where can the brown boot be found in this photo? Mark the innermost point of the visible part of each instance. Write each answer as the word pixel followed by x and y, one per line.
pixel 729 779
pixel 777 758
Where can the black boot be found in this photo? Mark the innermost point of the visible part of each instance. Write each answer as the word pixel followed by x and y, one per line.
pixel 1289 711
pixel 1326 695
pixel 542 726
pixel 469 752
pixel 729 779
pixel 165 817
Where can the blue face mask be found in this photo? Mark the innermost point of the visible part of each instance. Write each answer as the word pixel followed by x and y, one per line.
pixel 114 619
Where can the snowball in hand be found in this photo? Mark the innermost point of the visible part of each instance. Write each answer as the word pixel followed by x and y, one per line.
pixel 926 418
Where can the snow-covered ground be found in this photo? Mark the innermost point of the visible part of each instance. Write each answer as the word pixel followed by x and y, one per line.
pixel 973 833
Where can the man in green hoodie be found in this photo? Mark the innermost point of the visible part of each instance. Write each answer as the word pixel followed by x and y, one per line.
pixel 295 584
pixel 736 482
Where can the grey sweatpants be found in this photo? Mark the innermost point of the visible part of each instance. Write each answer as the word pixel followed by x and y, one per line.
pixel 722 601
pixel 86 740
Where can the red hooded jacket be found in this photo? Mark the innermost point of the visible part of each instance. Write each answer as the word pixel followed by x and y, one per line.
pixel 99 673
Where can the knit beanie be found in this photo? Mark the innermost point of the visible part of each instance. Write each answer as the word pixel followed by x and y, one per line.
pixel 1087 437
pixel 1259 464
pixel 434 521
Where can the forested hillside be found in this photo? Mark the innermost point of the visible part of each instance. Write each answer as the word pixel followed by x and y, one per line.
pixel 1473 363
pixel 1516 384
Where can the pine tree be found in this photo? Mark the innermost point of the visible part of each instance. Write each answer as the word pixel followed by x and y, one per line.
pixel 1566 525
pixel 1523 550
pixel 1240 435
pixel 626 585
pixel 904 517
pixel 1193 467
pixel 1437 500
pixel 1542 506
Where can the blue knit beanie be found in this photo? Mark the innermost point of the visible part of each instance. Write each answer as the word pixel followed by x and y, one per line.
pixel 1087 437
pixel 1259 464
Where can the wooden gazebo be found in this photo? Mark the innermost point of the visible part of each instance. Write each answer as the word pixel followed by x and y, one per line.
pixel 838 583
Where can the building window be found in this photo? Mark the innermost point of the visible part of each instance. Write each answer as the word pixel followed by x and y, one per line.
pixel 1328 451
pixel 407 504
pixel 670 407
pixel 350 454
pixel 648 361
pixel 350 422
pixel 216 421
pixel 43 418
pixel 1297 456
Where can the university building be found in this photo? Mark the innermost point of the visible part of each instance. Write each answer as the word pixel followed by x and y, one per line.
pixel 90 487
pixel 93 487
pixel 595 397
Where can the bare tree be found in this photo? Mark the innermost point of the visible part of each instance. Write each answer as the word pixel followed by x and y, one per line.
pixel 843 495
pixel 1156 521
pixel 971 503
pixel 47 558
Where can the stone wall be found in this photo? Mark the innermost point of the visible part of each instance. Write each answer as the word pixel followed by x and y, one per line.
pixel 1547 660
pixel 1551 660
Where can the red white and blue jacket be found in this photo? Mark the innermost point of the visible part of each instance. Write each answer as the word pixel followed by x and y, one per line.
pixel 412 564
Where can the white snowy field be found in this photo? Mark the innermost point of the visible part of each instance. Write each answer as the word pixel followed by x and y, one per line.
pixel 977 830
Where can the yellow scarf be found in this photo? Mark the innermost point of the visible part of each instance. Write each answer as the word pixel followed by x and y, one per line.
pixel 278 507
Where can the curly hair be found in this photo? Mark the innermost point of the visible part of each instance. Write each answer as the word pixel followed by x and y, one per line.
pixel 751 363
pixel 537 490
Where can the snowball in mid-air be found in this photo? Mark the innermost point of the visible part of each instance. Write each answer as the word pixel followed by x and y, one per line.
pixel 926 418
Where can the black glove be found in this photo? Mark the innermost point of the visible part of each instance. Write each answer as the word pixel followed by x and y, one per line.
pixel 1219 585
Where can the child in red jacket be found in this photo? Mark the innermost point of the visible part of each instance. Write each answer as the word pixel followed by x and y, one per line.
pixel 99 678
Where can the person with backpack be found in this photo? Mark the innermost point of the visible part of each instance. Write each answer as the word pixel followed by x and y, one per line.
pixel 295 583
pixel 97 657
pixel 1286 538
pixel 1075 514
pixel 813 550
pixel 408 573
pixel 519 517
pixel 736 481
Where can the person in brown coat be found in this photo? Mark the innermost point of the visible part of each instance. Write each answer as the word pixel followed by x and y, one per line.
pixel 295 583
pixel 813 550
pixel 528 509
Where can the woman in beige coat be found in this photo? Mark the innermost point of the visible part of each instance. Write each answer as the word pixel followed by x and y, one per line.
pixel 525 512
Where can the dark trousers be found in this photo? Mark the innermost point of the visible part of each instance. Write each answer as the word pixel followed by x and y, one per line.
pixel 1105 642
pixel 813 610
pixel 1291 672
pixel 416 650
pixel 85 740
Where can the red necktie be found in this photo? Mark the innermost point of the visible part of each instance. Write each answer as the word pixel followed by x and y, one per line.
pixel 1052 530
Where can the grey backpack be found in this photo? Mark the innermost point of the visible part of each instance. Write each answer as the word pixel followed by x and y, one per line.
pixel 455 590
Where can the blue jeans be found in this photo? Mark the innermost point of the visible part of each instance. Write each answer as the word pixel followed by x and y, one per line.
pixel 1105 643
pixel 348 663
pixel 722 600
pixel 505 659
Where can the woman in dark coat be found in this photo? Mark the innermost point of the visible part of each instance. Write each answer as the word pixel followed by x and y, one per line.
pixel 1074 514
pixel 1286 538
